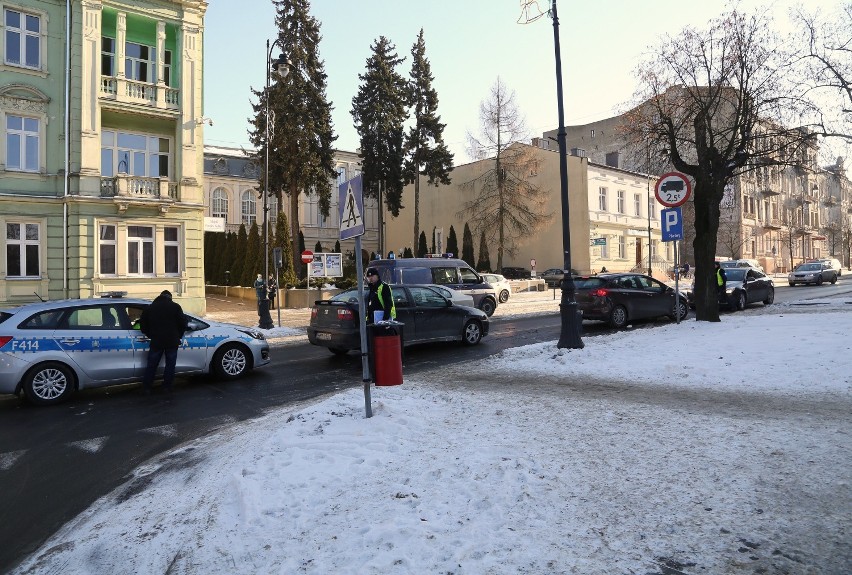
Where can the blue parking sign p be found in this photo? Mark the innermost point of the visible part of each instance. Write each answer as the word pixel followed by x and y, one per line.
pixel 672 219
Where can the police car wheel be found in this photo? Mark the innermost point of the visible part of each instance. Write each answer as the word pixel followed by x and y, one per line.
pixel 231 361
pixel 49 383
pixel 472 332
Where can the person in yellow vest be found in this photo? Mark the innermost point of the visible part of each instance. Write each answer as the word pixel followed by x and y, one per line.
pixel 379 298
pixel 721 282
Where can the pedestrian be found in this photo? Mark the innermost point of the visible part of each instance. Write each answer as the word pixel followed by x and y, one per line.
pixel 604 270
pixel 164 324
pixel 379 298
pixel 391 255
pixel 260 287
pixel 272 290
pixel 686 269
pixel 721 282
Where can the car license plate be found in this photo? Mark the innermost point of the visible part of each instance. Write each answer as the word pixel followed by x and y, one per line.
pixel 324 336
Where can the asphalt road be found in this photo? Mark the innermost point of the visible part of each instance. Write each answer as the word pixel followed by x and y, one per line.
pixel 56 461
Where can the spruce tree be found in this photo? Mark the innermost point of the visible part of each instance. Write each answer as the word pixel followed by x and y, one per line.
pixel 379 111
pixel 229 259
pixel 301 136
pixel 254 255
pixel 467 247
pixel 286 275
pixel 240 264
pixel 407 253
pixel 302 268
pixel 425 151
pixel 452 243
pixel 318 249
pixel 483 264
pixel 422 248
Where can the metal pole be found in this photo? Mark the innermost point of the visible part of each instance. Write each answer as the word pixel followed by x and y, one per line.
pixel 362 327
pixel 571 317
pixel 263 304
pixel 650 272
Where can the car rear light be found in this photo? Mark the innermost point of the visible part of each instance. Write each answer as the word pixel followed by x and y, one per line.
pixel 345 314
pixel 4 339
pixel 600 292
pixel 313 312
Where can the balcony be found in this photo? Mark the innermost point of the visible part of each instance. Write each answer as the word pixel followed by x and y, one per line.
pixel 135 190
pixel 830 201
pixel 772 224
pixel 126 91
pixel 801 230
pixel 769 191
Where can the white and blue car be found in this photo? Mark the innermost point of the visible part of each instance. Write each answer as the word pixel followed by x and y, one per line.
pixel 48 350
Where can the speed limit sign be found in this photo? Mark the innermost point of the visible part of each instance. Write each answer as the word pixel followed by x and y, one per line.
pixel 673 189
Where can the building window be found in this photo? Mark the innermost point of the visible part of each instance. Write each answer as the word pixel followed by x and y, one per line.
pixel 249 208
pixel 272 215
pixel 219 205
pixel 107 247
pixel 171 250
pixel 142 155
pixel 622 248
pixel 140 62
pixel 652 208
pixel 621 202
pixel 602 199
pixel 605 249
pixel 23 39
pixel 107 56
pixel 22 144
pixel 140 250
pixel 637 205
pixel 22 250
pixel 341 174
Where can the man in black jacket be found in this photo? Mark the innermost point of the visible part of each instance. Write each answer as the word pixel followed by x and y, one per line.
pixel 163 323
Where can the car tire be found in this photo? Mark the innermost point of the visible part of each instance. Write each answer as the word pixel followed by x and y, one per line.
pixel 338 350
pixel 49 383
pixel 504 296
pixel 231 361
pixel 770 297
pixel 472 332
pixel 819 281
pixel 682 309
pixel 834 279
pixel 488 305
pixel 618 317
pixel 792 284
pixel 740 301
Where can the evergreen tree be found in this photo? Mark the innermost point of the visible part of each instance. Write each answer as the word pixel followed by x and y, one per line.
pixel 286 275
pixel 208 259
pixel 425 151
pixel 379 111
pixel 336 247
pixel 483 264
pixel 239 274
pixel 422 248
pixel 467 247
pixel 229 259
pixel 452 243
pixel 253 255
pixel 301 157
pixel 318 248
pixel 303 269
pixel 217 258
pixel 407 253
pixel 434 229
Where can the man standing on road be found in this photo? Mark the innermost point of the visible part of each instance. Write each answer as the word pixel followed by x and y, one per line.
pixel 379 298
pixel 721 282
pixel 163 323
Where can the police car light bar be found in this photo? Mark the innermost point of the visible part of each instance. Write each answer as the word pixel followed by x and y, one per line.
pixel 115 294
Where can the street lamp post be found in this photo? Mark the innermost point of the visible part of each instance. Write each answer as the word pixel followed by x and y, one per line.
pixel 569 336
pixel 281 67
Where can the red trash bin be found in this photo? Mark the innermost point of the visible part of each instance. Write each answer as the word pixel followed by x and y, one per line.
pixel 387 353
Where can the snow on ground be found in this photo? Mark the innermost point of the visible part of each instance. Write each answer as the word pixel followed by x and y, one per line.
pixel 700 448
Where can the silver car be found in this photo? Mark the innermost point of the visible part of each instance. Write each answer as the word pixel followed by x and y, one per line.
pixel 812 273
pixel 49 350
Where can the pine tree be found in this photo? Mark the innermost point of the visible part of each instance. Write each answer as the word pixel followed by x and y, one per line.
pixel 300 152
pixel 229 259
pixel 483 264
pixel 425 150
pixel 286 275
pixel 452 242
pixel 240 276
pixel 422 248
pixel 379 111
pixel 254 255
pixel 467 247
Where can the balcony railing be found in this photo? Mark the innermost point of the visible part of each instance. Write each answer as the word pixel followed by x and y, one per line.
pixel 772 224
pixel 129 187
pixel 830 201
pixel 768 191
pixel 132 91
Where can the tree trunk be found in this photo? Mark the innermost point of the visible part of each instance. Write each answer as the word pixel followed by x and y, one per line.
pixel 416 212
pixel 706 227
pixel 294 227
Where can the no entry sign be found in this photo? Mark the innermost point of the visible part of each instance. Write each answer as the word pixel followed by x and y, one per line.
pixel 307 256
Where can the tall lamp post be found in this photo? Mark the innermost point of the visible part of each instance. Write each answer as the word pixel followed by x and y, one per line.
pixel 572 320
pixel 280 66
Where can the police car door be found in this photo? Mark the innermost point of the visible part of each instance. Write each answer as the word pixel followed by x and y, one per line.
pixel 96 339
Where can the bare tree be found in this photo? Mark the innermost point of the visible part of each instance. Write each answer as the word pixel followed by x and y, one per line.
pixel 505 203
pixel 730 237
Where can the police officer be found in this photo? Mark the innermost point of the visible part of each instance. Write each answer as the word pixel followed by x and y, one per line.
pixel 379 298
pixel 164 324
pixel 721 282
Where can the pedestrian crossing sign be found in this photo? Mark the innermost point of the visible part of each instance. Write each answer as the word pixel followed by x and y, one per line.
pixel 351 207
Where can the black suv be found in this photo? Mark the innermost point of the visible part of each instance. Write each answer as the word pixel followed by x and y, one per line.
pixel 515 273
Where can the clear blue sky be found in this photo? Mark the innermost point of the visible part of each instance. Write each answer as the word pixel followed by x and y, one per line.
pixel 469 44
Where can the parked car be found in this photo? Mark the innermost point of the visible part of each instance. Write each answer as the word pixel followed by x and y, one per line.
pixel 426 314
pixel 514 273
pixel 501 285
pixel 812 273
pixel 455 296
pixel 619 298
pixel 833 264
pixel 741 263
pixel 49 350
pixel 553 277
pixel 746 286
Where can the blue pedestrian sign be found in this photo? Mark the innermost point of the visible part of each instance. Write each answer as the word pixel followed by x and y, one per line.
pixel 672 219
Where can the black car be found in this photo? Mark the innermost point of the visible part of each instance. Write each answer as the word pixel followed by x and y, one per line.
pixel 426 314
pixel 748 285
pixel 619 298
pixel 553 277
pixel 513 273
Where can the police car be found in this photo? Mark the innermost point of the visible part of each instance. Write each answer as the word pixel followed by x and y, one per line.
pixel 50 349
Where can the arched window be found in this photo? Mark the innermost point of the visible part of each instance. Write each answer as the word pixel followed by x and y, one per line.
pixel 219 205
pixel 249 208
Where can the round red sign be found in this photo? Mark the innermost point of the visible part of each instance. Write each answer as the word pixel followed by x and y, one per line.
pixel 307 256
pixel 673 189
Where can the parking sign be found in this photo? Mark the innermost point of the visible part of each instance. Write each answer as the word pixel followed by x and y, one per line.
pixel 672 219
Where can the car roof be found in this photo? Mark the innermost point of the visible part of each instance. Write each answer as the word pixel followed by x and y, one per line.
pixel 63 303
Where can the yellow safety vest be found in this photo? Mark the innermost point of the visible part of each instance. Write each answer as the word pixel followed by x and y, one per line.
pixel 382 301
pixel 719 277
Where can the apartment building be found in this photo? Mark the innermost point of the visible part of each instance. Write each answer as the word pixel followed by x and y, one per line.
pixel 101 161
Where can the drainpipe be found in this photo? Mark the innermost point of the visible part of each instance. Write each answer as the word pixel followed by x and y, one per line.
pixel 67 158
